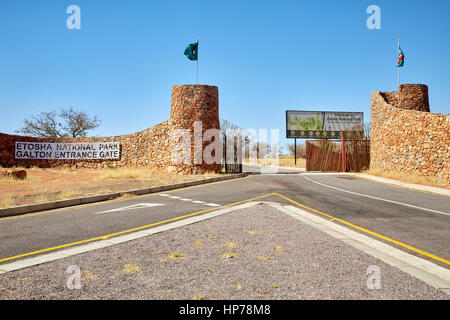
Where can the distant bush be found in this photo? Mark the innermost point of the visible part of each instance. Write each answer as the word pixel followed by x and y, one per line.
pixel 301 150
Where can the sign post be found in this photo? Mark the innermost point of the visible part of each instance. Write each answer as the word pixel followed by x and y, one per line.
pixel 324 125
pixel 344 169
pixel 295 151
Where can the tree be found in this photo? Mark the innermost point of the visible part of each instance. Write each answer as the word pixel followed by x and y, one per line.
pixel 301 150
pixel 66 123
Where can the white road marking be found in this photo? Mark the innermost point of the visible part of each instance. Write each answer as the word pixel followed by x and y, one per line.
pixel 422 269
pixel 133 207
pixel 190 200
pixel 28 262
pixel 381 199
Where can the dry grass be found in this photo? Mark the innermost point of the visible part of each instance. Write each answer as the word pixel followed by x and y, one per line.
pixel 10 181
pixel 408 178
pixel 289 161
pixel 128 173
pixel 282 161
pixel 6 202
pixel 43 185
pixel 140 174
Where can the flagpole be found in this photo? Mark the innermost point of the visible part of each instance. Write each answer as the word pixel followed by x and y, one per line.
pixel 197 60
pixel 398 66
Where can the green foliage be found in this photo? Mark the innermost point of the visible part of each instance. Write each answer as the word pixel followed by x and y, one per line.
pixel 311 123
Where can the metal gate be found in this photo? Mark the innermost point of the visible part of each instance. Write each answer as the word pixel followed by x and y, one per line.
pixel 231 155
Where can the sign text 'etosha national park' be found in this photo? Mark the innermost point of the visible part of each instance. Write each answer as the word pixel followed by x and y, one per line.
pixel 75 151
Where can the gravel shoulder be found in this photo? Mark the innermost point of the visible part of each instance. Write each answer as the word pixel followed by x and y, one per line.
pixel 253 253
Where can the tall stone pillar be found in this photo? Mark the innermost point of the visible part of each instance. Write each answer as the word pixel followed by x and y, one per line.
pixel 195 108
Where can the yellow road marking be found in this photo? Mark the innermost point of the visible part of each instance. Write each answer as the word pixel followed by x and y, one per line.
pixel 400 187
pixel 28 215
pixel 429 255
pixel 332 218
pixel 128 231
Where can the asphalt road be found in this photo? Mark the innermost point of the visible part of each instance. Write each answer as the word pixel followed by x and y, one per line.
pixel 417 219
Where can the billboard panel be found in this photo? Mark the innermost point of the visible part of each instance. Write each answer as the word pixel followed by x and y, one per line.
pixel 324 124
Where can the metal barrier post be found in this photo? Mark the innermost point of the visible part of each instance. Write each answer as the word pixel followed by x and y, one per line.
pixel 344 169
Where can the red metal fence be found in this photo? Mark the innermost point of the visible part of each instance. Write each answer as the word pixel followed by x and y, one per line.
pixel 337 156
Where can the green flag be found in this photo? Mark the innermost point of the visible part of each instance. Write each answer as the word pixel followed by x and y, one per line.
pixel 191 51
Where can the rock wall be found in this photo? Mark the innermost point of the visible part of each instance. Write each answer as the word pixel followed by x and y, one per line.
pixel 407 138
pixel 151 148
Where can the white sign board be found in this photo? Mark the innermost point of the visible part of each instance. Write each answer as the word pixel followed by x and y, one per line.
pixel 67 151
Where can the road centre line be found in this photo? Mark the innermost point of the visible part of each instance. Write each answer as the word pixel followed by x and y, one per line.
pixel 190 200
pixel 332 218
pixel 233 204
pixel 67 209
pixel 377 198
pixel 104 243
pixel 128 231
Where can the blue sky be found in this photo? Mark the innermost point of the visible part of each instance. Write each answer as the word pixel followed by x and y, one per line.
pixel 265 57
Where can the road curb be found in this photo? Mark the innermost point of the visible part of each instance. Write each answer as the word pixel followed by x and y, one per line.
pixel 14 211
pixel 433 274
pixel 64 253
pixel 410 186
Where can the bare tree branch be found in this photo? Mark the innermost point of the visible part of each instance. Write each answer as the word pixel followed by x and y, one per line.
pixel 66 123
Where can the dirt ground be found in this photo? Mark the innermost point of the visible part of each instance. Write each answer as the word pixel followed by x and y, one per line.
pixel 43 185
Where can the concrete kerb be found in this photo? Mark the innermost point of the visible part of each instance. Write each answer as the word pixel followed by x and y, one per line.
pixel 64 253
pixel 424 270
pixel 13 211
pixel 411 186
pixel 419 268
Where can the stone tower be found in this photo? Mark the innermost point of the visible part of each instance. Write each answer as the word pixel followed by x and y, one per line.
pixel 193 105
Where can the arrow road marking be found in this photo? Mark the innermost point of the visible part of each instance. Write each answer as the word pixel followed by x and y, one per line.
pixel 133 207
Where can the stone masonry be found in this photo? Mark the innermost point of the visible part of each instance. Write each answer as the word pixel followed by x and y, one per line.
pixel 406 137
pixel 151 148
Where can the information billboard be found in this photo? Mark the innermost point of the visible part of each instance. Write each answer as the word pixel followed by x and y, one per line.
pixel 324 124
